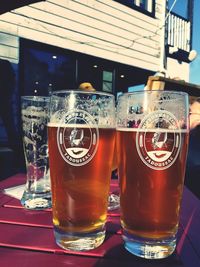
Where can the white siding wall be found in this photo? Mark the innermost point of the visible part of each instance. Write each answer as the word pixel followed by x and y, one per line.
pixel 176 69
pixel 102 28
pixel 9 47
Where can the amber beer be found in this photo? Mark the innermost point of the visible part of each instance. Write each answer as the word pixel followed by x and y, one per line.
pixel 80 191
pixel 150 197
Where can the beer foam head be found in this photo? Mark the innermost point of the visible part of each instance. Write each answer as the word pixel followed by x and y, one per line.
pixel 82 108
pixel 133 108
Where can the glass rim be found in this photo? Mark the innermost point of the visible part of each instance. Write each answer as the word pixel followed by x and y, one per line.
pixel 35 98
pixel 149 91
pixel 54 93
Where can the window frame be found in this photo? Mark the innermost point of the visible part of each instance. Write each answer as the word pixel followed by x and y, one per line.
pixel 107 81
pixel 133 4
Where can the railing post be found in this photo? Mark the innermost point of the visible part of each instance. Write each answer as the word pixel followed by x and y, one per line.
pixel 179 32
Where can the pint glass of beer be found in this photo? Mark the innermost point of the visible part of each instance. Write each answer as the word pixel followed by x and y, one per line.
pixel 152 143
pixel 81 138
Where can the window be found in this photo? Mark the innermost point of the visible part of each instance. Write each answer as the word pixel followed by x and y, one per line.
pixel 98 72
pixel 45 68
pixel 107 81
pixel 144 6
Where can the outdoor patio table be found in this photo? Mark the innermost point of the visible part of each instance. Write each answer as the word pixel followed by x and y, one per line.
pixel 26 238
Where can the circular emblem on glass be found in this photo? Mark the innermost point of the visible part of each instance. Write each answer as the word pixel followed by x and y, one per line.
pixel 77 137
pixel 158 140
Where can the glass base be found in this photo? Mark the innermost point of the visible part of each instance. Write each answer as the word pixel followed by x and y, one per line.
pixel 35 201
pixel 79 241
pixel 149 248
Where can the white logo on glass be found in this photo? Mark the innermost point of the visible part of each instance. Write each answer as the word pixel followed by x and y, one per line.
pixel 158 140
pixel 77 137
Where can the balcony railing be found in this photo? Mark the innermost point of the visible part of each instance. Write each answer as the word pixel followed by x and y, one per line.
pixel 178 32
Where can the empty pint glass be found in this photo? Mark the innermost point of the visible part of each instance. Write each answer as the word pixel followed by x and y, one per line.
pixel 81 137
pixel 37 193
pixel 152 143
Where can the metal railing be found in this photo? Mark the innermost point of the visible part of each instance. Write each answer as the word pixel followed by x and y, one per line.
pixel 178 32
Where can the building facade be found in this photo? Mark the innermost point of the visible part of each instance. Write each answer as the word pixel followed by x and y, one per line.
pixel 129 37
pixel 115 45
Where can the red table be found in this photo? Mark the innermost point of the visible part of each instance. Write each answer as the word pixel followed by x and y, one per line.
pixel 26 238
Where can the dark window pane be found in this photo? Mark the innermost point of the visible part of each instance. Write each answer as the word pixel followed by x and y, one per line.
pixel 107 76
pixel 144 6
pixel 46 69
pixel 107 86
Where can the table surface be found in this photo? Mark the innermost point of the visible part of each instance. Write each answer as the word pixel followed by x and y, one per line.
pixel 27 238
